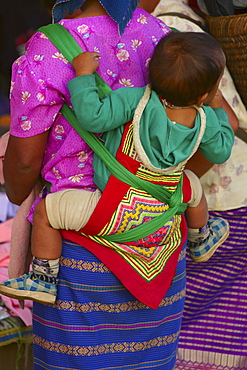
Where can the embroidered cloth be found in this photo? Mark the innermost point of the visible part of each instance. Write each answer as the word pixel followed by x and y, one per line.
pixel 146 266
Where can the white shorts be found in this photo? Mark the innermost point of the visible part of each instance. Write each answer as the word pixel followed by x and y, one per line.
pixel 71 209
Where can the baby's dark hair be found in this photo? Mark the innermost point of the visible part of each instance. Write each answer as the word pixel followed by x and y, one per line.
pixel 185 66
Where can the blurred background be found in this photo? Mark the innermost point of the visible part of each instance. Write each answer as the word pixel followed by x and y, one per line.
pixel 18 21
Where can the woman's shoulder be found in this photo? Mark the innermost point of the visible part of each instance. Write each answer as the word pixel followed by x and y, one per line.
pixel 38 46
pixel 141 17
pixel 104 25
pixel 43 60
pixel 83 29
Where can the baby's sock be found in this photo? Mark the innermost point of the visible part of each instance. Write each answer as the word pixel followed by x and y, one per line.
pixel 201 234
pixel 46 270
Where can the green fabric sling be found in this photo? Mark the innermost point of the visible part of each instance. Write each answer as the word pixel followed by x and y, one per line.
pixel 67 45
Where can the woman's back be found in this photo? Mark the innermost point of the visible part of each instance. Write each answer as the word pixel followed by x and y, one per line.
pixel 124 63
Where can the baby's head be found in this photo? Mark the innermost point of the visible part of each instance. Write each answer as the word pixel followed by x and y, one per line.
pixel 185 66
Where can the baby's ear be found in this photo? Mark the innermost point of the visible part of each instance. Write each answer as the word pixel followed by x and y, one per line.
pixel 202 99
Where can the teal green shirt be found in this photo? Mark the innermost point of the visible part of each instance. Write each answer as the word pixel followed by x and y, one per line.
pixel 165 143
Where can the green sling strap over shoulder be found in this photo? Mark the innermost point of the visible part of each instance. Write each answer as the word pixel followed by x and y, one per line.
pixel 67 45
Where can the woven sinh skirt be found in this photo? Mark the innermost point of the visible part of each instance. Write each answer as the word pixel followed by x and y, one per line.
pixel 214 331
pixel 97 324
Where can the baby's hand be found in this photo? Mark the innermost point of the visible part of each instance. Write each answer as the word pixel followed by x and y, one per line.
pixel 217 101
pixel 86 63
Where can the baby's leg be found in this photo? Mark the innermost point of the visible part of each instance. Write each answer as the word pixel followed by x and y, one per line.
pixel 197 216
pixel 69 209
pixel 204 235
pixel 46 242
pixel 41 283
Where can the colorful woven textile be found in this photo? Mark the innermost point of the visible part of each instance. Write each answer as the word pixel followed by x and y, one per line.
pixel 145 266
pixel 12 330
pixel 97 324
pixel 214 332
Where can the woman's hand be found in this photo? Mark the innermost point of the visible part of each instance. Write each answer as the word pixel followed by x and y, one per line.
pixel 86 63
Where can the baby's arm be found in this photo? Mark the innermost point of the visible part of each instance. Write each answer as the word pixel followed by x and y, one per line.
pixel 95 114
pixel 218 139
pixel 198 163
pixel 86 63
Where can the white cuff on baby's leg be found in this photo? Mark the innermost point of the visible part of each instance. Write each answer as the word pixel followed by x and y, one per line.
pixel 196 189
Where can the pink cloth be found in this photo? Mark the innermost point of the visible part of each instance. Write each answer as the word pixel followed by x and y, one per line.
pixel 12 304
pixel 5 237
pixel 5 231
pixel 20 251
pixel 20 254
pixel 38 90
pixel 19 237
pixel 4 257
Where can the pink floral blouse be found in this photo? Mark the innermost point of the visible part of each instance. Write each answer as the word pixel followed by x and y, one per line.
pixel 38 88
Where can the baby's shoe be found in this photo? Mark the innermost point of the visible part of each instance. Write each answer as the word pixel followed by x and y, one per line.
pixel 39 288
pixel 203 244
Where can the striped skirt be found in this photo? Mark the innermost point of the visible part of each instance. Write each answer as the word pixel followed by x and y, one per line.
pixel 97 324
pixel 214 331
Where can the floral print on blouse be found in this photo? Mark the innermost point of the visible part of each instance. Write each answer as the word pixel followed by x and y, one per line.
pixel 38 88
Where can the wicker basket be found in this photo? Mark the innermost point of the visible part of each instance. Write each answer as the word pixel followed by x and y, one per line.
pixel 231 32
